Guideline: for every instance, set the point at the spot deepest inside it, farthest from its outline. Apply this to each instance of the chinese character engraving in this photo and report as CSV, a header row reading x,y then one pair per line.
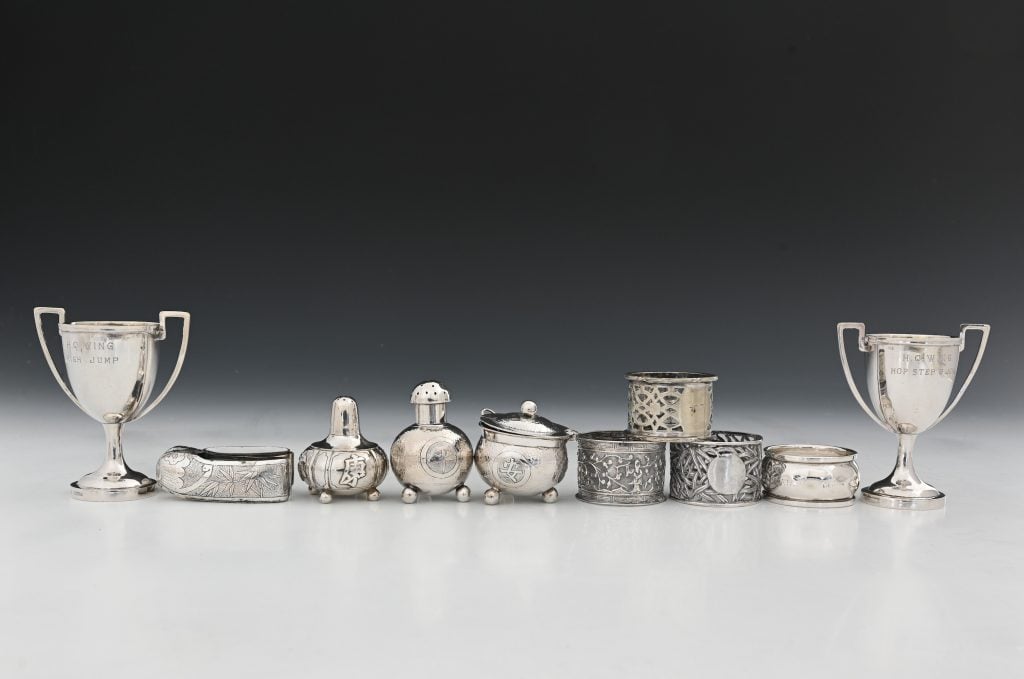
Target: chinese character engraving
x,y
511,470
353,469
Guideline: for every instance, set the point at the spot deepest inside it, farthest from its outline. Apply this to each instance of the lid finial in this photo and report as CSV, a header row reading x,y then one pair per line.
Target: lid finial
x,y
345,424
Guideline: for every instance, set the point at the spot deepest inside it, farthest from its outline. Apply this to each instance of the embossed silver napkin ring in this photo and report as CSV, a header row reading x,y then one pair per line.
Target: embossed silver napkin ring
x,y
670,406
227,473
722,471
810,475
617,468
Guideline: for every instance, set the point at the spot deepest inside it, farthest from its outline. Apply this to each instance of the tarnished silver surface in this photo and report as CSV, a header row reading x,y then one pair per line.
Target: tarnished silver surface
x,y
344,463
521,453
227,473
431,456
909,381
722,470
111,367
617,468
670,406
810,475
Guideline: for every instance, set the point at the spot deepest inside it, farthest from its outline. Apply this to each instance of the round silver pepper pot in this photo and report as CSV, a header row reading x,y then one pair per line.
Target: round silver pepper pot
x,y
431,456
344,463
521,453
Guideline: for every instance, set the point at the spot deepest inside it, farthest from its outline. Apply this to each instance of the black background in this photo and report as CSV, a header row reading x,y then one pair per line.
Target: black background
x,y
514,196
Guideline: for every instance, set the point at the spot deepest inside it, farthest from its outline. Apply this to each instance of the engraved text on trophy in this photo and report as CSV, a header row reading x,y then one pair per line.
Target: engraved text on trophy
x,y
89,352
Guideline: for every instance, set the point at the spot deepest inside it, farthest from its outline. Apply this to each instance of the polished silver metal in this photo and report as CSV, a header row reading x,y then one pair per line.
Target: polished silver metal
x,y
521,453
344,463
723,470
227,473
617,468
431,457
810,475
670,406
111,368
909,380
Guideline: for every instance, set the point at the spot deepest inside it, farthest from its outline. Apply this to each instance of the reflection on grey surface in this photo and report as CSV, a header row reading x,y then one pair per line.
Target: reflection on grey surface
x,y
564,576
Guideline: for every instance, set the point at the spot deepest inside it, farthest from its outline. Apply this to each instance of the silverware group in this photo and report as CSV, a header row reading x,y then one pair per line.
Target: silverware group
x,y
111,368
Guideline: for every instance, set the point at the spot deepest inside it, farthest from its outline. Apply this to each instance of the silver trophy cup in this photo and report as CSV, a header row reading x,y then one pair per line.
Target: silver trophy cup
x,y
910,379
111,367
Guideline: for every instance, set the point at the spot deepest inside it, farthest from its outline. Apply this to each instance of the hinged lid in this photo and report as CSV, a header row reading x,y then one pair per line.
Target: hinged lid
x,y
524,423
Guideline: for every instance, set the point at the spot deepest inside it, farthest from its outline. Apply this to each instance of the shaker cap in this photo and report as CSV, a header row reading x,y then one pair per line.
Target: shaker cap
x,y
524,423
345,435
429,393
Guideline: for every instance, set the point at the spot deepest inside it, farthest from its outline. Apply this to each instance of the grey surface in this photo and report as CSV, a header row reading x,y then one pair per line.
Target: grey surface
x,y
228,589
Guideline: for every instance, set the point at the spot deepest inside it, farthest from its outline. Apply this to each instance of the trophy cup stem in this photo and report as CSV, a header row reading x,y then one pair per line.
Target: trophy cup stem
x,y
904,469
903,488
115,480
115,454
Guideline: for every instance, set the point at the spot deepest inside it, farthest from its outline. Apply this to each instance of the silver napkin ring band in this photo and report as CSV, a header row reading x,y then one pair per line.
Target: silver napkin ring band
x,y
227,474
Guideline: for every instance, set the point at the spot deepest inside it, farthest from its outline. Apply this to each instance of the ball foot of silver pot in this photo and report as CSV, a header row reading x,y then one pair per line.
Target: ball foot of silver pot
x,y
410,495
462,493
492,496
373,495
550,495
326,498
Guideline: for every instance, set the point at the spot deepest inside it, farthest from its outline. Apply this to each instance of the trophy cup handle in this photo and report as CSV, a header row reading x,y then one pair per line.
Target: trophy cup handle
x,y
983,328
185,321
38,312
841,329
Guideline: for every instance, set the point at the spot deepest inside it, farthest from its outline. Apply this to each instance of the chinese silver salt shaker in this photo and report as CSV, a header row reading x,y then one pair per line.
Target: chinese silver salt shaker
x,y
617,468
431,456
521,453
723,470
344,463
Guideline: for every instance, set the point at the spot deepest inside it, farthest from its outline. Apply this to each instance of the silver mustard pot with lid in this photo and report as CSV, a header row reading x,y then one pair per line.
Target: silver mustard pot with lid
x,y
344,463
431,456
521,453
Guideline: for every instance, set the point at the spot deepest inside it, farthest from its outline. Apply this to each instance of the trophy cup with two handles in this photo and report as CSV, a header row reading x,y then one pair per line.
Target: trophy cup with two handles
x,y
909,381
112,368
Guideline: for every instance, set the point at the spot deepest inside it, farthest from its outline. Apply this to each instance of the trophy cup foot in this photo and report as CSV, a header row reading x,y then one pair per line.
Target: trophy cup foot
x,y
888,495
106,487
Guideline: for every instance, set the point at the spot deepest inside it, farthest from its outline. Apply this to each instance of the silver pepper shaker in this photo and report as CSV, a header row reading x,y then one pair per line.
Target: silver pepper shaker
x,y
344,463
431,456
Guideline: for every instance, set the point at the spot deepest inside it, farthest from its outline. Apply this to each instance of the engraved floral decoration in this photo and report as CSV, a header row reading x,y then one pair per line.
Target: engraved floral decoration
x,y
772,472
241,481
620,474
183,472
